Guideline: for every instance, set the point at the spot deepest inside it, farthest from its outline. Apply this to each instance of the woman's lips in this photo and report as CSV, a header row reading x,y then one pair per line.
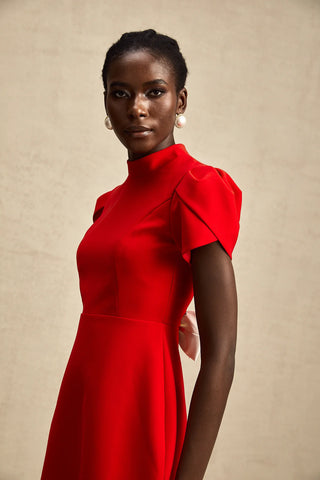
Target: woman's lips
x,y
138,131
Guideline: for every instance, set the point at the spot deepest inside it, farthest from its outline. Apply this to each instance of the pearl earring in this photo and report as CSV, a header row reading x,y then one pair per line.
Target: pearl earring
x,y
108,123
180,120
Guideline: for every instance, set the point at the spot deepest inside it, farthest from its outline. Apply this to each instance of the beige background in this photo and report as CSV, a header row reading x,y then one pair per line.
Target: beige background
x,y
254,110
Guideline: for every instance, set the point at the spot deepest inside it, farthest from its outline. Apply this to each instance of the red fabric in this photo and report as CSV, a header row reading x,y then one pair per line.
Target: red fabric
x,y
121,411
206,207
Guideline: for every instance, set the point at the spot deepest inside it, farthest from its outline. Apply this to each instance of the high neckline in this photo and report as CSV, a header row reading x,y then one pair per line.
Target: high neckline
x,y
152,162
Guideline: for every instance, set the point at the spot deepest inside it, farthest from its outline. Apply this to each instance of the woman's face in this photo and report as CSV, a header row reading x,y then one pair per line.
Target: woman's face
x,y
142,102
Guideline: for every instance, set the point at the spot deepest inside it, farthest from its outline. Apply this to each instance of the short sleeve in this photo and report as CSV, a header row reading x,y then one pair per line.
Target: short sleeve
x,y
103,202
205,207
100,204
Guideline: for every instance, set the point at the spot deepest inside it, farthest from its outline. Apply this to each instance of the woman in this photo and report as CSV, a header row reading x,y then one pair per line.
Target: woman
x,y
163,235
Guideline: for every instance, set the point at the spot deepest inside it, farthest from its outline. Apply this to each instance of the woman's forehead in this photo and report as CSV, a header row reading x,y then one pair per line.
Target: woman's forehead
x,y
140,65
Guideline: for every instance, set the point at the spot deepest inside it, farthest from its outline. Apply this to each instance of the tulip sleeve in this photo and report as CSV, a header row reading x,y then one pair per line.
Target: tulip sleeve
x,y
205,207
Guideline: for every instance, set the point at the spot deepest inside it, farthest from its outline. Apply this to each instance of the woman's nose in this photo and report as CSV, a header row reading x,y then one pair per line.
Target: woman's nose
x,y
138,107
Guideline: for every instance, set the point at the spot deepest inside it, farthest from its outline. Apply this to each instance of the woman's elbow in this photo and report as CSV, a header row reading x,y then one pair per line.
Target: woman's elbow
x,y
219,365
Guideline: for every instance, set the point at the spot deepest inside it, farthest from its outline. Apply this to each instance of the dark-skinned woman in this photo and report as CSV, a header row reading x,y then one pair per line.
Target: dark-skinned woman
x,y
164,235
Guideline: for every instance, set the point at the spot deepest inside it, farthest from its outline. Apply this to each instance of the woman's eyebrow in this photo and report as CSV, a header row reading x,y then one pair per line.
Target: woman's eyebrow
x,y
157,81
119,84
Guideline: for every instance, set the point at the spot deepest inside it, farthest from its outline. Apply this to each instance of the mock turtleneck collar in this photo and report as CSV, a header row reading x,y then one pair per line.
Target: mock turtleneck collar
x,y
154,161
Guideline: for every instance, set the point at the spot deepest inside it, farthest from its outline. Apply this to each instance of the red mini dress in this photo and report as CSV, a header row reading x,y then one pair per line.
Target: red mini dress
x,y
121,411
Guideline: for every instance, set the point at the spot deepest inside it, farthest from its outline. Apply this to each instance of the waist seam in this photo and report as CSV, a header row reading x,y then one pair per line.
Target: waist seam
x,y
102,316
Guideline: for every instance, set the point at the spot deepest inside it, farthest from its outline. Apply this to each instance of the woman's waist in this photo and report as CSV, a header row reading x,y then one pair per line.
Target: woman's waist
x,y
110,334
110,318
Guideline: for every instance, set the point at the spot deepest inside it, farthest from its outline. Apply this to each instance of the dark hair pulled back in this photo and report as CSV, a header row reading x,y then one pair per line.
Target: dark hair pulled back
x,y
159,45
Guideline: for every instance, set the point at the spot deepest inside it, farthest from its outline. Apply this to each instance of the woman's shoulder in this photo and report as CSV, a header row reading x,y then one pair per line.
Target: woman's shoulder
x,y
196,174
104,196
102,200
206,205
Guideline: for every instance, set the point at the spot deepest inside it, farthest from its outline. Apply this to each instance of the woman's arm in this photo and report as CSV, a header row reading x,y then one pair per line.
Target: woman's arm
x,y
216,309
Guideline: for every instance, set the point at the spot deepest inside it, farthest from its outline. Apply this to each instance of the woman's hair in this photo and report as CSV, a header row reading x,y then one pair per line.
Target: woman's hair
x,y
159,45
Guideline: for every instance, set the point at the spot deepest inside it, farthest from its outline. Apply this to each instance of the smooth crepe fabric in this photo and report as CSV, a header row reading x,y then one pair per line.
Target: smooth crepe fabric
x,y
121,411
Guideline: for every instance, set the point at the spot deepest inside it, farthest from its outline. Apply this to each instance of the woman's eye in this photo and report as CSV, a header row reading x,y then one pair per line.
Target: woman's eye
x,y
119,93
156,92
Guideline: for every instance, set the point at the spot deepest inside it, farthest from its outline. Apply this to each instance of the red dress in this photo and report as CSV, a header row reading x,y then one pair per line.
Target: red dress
x,y
121,412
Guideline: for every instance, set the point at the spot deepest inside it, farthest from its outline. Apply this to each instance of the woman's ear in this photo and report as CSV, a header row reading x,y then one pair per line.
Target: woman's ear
x,y
182,100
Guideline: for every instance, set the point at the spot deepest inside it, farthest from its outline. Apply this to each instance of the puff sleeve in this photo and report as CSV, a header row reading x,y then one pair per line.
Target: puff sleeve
x,y
205,207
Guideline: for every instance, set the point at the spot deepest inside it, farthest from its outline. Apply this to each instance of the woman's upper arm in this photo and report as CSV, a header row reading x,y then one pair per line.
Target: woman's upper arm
x,y
215,299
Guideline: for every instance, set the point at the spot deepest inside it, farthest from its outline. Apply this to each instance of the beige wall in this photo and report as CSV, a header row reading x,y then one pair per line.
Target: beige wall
x,y
254,110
